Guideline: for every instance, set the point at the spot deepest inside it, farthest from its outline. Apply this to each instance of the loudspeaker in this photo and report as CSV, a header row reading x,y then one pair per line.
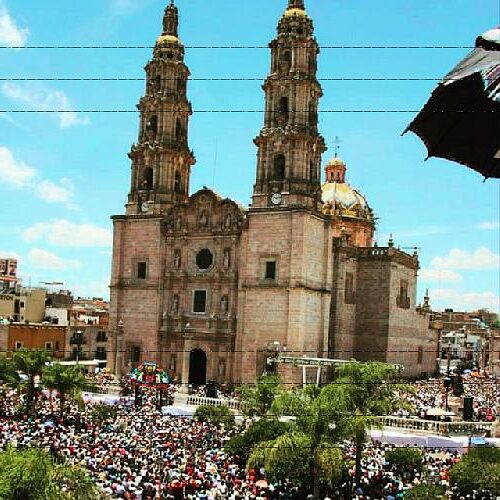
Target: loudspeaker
x,y
468,408
211,390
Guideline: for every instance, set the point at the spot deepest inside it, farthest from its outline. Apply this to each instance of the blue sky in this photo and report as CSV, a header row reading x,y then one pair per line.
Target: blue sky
x,y
63,176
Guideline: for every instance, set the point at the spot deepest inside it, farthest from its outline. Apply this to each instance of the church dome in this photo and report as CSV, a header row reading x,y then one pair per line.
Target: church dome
x,y
339,197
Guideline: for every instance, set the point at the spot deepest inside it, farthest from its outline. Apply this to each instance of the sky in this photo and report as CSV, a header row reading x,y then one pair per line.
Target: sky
x,y
62,176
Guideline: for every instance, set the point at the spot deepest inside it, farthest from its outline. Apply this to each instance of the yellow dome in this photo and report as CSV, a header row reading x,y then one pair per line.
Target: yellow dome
x,y
335,162
341,199
295,12
167,39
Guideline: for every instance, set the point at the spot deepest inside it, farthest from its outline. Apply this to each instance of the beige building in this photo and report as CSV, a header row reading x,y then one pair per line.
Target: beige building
x,y
27,305
204,286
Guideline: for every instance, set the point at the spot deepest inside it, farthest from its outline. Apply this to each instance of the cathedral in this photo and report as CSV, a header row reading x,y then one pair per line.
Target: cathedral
x,y
207,288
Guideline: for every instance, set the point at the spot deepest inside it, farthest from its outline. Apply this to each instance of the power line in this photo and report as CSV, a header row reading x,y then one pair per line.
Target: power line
x,y
235,47
217,79
222,111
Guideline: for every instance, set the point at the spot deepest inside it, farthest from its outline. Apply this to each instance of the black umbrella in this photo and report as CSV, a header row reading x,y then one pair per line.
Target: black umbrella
x,y
461,120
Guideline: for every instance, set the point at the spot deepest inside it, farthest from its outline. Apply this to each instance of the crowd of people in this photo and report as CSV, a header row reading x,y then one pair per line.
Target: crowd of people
x,y
138,453
431,395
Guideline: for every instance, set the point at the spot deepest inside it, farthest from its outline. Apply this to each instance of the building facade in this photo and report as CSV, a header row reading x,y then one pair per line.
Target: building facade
x,y
204,286
50,338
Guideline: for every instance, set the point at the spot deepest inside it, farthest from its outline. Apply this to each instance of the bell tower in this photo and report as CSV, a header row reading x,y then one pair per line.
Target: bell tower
x,y
161,158
289,145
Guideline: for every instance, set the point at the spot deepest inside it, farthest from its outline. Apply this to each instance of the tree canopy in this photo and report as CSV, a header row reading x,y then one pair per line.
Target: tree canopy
x,y
32,475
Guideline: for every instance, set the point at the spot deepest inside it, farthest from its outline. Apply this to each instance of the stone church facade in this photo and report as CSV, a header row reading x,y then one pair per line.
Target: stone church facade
x,y
205,287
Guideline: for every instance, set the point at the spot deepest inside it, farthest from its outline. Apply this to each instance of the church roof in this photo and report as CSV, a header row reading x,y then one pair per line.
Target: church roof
x,y
340,198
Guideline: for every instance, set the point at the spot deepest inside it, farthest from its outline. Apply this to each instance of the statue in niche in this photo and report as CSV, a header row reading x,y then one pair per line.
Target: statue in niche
x,y
227,258
227,221
221,369
177,259
224,303
203,219
175,305
178,222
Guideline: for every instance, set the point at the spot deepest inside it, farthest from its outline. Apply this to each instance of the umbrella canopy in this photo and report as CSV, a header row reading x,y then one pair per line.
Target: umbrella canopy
x,y
461,120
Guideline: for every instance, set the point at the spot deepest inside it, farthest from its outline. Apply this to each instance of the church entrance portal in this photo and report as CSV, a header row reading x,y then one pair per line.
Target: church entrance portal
x,y
197,367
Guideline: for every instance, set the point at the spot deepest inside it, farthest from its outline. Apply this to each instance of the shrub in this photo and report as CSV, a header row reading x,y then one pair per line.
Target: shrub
x,y
216,415
423,492
405,459
263,430
478,470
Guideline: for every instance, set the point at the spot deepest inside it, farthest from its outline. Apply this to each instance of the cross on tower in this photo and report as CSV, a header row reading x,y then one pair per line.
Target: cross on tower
x,y
337,143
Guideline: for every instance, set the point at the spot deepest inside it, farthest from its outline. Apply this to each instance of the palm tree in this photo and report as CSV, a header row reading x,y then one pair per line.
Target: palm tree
x,y
311,444
345,408
31,363
369,391
8,374
66,380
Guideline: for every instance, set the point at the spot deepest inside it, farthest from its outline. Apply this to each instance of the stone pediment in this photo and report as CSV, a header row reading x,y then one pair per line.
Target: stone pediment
x,y
205,212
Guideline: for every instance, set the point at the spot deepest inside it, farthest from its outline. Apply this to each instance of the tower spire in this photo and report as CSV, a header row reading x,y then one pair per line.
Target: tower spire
x,y
171,20
161,158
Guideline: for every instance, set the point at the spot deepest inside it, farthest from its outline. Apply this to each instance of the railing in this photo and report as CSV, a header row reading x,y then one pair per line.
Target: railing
x,y
444,428
233,404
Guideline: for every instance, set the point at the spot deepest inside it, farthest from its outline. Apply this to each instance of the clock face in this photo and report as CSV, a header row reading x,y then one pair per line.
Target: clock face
x,y
276,198
145,207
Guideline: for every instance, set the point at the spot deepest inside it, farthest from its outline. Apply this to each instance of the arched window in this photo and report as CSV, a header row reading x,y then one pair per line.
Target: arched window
x,y
312,171
147,178
286,59
157,83
283,107
178,182
313,115
178,129
279,168
152,125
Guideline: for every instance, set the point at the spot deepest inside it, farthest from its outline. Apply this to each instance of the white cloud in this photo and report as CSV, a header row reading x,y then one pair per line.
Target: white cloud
x,y
14,172
488,225
43,99
460,301
10,34
54,193
439,275
41,259
480,259
8,255
91,289
414,233
60,232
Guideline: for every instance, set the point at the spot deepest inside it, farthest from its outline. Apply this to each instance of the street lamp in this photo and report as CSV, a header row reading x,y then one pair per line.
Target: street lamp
x,y
447,385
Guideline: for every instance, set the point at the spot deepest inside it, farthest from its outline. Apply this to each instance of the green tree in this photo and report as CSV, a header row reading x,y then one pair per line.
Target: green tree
x,y
256,400
369,391
405,460
310,444
32,475
425,492
31,363
8,374
66,380
477,470
265,429
216,415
